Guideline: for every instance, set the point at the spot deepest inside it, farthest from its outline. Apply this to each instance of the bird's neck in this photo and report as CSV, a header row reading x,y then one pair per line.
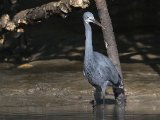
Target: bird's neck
x,y
88,42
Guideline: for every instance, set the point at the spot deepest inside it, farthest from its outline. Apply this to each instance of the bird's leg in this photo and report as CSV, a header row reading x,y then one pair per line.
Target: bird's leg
x,y
104,87
103,95
119,95
97,95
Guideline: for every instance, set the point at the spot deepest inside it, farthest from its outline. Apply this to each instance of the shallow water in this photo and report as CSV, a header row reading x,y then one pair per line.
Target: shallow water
x,y
57,90
97,114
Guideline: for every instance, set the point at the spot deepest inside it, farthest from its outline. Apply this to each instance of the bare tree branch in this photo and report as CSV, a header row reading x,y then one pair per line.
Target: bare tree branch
x,y
39,13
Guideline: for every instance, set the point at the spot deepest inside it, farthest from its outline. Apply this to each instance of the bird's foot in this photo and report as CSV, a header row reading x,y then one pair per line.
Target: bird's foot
x,y
121,99
119,95
98,102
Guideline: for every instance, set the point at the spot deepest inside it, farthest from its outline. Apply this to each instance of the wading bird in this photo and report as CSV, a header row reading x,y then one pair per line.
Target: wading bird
x,y
99,69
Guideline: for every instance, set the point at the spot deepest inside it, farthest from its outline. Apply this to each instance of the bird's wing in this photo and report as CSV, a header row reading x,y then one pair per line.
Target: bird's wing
x,y
106,68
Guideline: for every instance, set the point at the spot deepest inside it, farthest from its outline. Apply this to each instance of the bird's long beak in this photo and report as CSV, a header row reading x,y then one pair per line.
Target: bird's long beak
x,y
97,23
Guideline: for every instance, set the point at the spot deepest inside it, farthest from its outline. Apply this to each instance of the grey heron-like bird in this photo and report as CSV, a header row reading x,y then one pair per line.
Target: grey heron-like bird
x,y
99,69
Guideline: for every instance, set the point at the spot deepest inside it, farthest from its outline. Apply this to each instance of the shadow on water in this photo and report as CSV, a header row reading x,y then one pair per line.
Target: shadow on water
x,y
142,50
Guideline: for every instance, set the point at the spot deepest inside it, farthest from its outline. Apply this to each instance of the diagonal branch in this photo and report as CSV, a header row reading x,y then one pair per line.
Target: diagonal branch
x,y
39,13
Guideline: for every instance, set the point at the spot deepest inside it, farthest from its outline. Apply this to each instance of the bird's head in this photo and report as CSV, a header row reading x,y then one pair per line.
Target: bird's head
x,y
88,18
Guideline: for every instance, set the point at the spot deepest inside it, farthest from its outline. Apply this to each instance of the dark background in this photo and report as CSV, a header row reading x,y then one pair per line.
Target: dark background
x,y
136,26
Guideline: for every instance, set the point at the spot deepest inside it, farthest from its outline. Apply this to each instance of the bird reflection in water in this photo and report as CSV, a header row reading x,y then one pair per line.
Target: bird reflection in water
x,y
101,112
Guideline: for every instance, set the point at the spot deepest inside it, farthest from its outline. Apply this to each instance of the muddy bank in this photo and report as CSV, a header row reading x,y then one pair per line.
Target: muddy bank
x,y
58,85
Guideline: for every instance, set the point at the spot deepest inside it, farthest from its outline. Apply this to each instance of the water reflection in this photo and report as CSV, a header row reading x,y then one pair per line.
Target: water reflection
x,y
119,111
100,112
54,93
103,112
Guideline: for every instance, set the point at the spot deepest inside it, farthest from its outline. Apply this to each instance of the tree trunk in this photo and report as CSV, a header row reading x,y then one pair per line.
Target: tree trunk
x,y
109,37
108,34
